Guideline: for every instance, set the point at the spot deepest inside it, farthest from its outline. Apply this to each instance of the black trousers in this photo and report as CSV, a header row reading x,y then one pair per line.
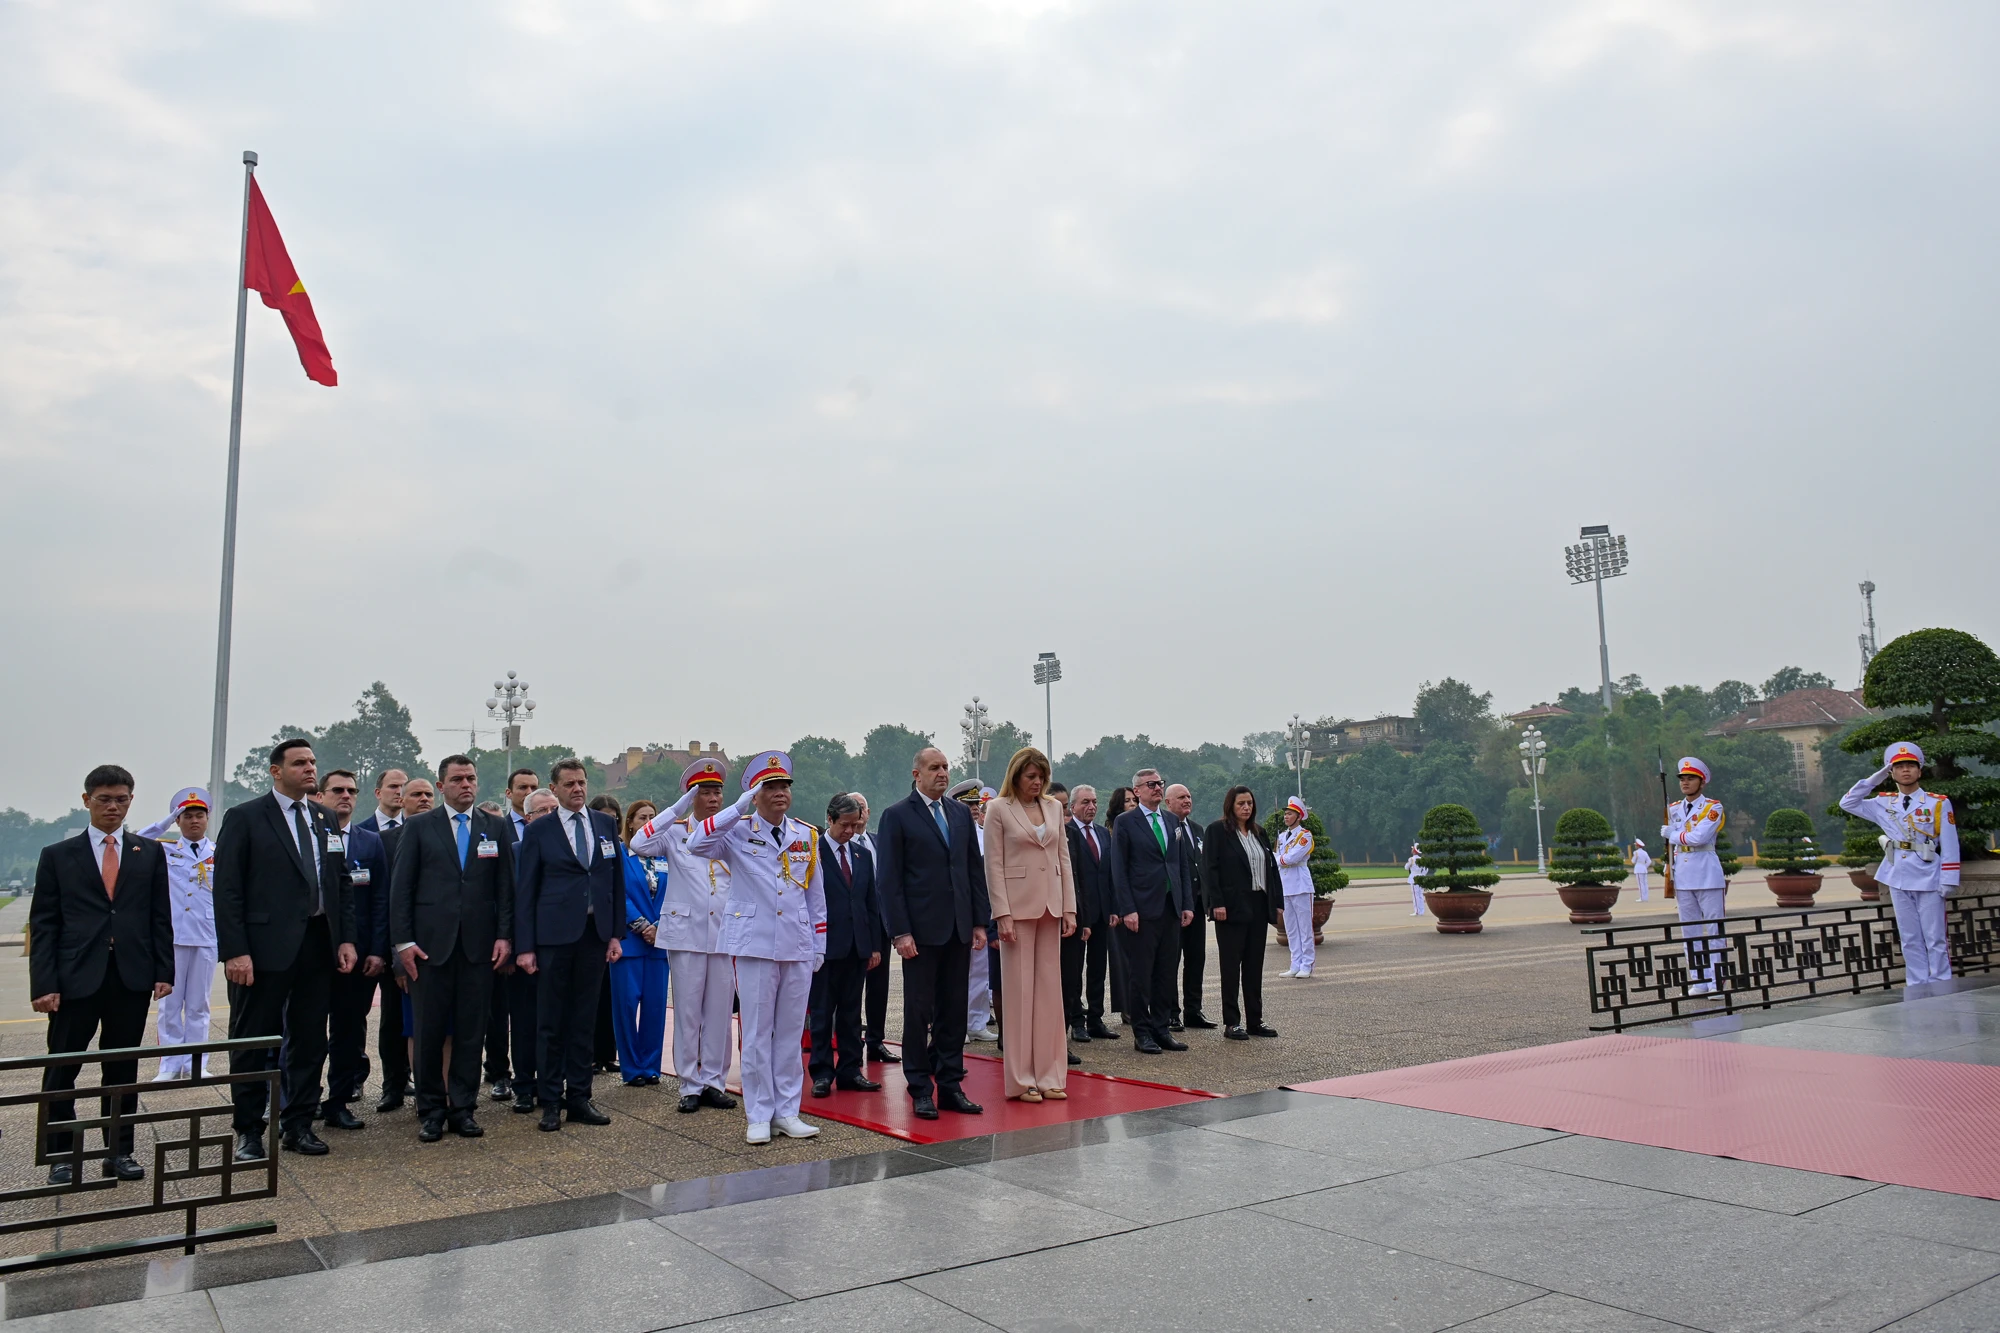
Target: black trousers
x,y
121,1013
1239,949
935,985
524,1031
1149,973
833,1011
875,1002
290,1002
498,1010
390,1038
348,999
570,976
1074,948
1103,957
449,999
604,1037
1194,962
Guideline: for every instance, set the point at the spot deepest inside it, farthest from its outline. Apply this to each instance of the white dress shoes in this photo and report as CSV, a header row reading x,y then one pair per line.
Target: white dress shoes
x,y
794,1128
759,1132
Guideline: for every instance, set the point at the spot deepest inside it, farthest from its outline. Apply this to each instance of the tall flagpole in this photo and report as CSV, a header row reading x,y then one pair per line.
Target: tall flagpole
x,y
219,738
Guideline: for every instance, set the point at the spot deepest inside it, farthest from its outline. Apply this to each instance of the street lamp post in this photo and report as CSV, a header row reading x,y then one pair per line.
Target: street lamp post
x,y
1298,733
1534,763
1596,557
512,706
973,726
1047,672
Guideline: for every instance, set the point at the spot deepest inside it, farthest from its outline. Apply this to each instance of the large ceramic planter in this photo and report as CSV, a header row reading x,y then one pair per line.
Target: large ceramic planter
x,y
1458,910
1864,880
1322,909
1793,890
1588,904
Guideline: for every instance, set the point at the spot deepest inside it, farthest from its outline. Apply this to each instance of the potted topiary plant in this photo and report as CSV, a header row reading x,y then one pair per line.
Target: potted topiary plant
x,y
1725,851
1787,850
1861,853
1586,866
1451,848
1324,863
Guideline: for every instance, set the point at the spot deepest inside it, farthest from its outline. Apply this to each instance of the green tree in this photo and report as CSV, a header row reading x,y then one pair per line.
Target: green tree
x,y
1450,711
1861,845
378,737
1452,850
1582,852
1952,682
1786,679
1787,846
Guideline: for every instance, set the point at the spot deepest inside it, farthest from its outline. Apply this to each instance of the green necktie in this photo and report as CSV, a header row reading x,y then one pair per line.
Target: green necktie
x,y
1154,817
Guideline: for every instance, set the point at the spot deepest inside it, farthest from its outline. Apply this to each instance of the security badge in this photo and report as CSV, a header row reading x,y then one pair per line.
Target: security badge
x,y
360,875
488,849
335,844
605,849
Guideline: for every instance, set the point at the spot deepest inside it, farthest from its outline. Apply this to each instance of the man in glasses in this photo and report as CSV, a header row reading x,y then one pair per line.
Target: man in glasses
x,y
354,992
1152,896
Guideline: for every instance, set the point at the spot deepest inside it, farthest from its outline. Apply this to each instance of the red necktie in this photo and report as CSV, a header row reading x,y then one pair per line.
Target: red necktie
x,y
108,867
1090,836
846,870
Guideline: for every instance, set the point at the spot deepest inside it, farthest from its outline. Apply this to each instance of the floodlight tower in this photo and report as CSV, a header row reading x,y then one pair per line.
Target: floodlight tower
x,y
1597,557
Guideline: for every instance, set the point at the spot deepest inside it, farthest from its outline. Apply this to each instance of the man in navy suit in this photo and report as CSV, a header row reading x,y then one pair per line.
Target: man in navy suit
x,y
353,992
1152,897
389,784
568,915
932,882
853,949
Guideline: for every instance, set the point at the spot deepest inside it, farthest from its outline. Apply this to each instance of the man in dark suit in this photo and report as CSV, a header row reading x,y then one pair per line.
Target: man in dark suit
x,y
388,814
1150,895
854,947
521,784
932,883
353,992
101,950
284,927
875,986
1193,944
451,917
414,796
569,911
1086,953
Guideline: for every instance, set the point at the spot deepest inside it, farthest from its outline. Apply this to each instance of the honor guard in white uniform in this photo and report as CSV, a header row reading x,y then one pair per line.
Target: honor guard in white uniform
x,y
1693,823
1919,860
1642,862
774,926
1295,848
979,1000
700,971
1411,869
191,888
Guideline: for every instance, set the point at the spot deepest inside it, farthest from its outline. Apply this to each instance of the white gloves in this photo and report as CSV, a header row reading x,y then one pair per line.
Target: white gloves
x,y
819,961
748,799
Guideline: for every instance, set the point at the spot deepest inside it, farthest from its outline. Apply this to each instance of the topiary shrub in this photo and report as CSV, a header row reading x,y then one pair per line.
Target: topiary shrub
x,y
1725,851
1451,848
1952,680
1787,847
1582,852
1324,861
1863,847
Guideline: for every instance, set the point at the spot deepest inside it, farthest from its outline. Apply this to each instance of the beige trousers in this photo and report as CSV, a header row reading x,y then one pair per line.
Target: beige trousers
x,y
1031,1007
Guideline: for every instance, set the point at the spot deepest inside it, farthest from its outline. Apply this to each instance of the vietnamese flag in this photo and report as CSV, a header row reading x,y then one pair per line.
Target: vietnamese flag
x,y
268,271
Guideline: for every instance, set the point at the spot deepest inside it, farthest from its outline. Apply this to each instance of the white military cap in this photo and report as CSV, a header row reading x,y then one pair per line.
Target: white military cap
x,y
1693,765
1903,752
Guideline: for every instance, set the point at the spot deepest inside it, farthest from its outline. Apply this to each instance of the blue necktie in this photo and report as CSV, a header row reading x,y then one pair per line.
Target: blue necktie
x,y
937,813
582,848
464,839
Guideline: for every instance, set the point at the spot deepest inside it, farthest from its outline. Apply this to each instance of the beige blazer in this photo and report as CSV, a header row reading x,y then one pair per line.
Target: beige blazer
x,y
1027,878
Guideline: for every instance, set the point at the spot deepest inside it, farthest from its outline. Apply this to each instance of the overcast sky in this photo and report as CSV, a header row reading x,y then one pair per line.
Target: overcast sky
x,y
1271,351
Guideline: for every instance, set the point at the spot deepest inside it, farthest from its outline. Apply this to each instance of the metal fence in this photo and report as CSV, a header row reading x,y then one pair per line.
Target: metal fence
x,y
1646,974
196,1155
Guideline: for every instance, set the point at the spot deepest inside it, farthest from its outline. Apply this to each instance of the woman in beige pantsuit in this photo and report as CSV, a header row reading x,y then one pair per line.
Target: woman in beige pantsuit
x,y
1033,895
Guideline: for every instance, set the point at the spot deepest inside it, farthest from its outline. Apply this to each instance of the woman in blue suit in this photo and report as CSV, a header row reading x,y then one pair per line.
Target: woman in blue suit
x,y
639,977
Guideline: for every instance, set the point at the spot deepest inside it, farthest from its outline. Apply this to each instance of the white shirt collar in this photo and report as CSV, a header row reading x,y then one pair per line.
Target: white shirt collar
x,y
383,819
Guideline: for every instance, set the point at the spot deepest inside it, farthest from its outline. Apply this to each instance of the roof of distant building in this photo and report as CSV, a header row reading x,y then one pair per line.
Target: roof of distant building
x,y
1796,708
1538,713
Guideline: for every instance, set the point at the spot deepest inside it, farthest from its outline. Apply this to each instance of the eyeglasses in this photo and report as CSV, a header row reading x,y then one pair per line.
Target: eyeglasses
x,y
1153,783
342,791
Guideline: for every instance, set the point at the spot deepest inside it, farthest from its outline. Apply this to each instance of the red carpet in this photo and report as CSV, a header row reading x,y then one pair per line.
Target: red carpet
x,y
1931,1124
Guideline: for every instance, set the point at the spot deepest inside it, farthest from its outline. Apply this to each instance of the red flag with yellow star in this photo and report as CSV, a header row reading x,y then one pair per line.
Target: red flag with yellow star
x,y
268,271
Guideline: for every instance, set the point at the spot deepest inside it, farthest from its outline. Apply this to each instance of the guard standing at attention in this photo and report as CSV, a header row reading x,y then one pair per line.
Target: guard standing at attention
x,y
700,971
190,880
1642,864
1920,861
1693,824
775,928
1295,848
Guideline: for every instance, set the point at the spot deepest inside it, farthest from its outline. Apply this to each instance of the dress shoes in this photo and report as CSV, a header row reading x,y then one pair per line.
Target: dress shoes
x,y
1235,1032
466,1127
339,1117
794,1128
551,1120
1195,1018
1175,1025
1074,1058
880,1054
759,1131
1145,1046
586,1112
524,1101
923,1108
861,1083
689,1103
982,1034
822,1087
303,1141
431,1130
60,1174
390,1101
503,1090
1096,1030
249,1145
717,1098
1078,1032
1169,1044
121,1166
954,1099
1263,1030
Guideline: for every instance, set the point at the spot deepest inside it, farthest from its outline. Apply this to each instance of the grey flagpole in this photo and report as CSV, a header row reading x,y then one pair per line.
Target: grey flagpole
x,y
219,737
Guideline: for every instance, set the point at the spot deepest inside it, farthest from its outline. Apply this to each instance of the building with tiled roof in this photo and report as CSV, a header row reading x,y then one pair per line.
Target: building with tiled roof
x,y
1802,718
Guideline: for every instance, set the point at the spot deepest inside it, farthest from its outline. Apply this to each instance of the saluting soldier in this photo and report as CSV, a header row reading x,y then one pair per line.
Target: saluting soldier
x,y
1693,824
1920,859
700,971
190,872
774,926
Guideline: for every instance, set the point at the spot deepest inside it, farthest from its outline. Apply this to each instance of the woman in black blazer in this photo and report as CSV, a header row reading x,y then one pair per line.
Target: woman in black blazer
x,y
1240,873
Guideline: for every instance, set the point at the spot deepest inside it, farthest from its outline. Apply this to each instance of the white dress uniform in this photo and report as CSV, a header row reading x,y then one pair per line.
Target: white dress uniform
x,y
1701,890
191,889
774,926
1919,862
979,974
1412,869
700,971
1642,862
1295,847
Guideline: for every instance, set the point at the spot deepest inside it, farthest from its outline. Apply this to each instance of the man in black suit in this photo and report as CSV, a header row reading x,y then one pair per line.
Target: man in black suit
x,y
388,814
932,882
569,911
1193,945
101,950
353,992
1151,897
1086,953
875,986
414,796
451,920
853,949
500,1012
284,926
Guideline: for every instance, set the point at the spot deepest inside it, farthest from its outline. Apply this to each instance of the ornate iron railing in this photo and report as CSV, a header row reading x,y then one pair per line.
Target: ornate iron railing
x,y
1647,974
192,1152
